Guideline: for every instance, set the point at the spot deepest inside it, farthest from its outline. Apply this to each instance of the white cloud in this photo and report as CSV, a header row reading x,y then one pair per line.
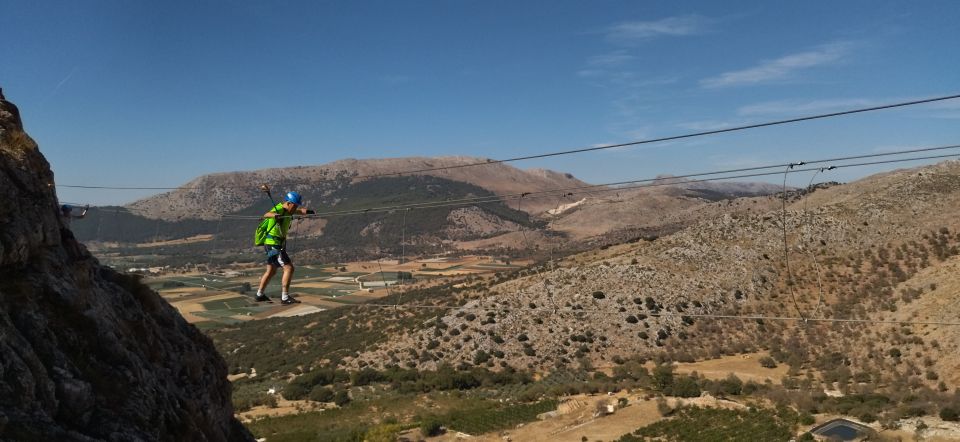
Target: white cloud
x,y
780,68
682,25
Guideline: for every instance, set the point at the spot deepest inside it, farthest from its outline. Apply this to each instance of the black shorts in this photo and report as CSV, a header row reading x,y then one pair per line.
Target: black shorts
x,y
277,256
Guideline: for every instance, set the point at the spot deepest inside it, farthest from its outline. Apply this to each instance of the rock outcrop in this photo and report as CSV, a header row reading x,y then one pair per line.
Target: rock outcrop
x,y
87,353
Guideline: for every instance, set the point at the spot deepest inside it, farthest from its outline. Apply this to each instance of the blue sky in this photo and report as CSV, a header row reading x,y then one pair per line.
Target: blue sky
x,y
137,93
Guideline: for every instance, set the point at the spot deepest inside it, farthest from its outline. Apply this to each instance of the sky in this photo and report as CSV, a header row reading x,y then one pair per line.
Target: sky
x,y
154,94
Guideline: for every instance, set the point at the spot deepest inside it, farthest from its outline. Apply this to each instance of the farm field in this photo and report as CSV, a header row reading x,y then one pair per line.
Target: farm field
x,y
226,297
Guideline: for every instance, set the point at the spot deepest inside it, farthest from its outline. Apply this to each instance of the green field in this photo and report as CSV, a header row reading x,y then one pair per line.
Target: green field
x,y
237,302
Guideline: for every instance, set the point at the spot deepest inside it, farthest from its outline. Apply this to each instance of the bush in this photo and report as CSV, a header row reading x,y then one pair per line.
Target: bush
x,y
949,414
598,295
431,426
321,394
295,390
480,357
768,362
341,398
366,376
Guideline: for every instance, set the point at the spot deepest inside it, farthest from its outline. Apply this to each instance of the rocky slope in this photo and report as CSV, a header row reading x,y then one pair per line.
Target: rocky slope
x,y
85,353
868,244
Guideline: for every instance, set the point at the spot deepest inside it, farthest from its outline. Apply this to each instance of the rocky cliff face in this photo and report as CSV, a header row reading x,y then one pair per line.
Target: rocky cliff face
x,y
87,353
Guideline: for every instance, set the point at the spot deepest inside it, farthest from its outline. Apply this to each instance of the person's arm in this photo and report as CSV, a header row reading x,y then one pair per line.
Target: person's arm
x,y
305,211
84,213
271,214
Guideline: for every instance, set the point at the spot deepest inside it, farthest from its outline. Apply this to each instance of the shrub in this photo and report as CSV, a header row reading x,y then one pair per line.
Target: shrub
x,y
321,394
365,376
295,390
431,426
685,386
598,295
949,414
341,398
768,362
480,357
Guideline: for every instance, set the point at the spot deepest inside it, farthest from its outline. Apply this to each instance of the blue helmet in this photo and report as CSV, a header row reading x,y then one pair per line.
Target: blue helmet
x,y
66,208
294,197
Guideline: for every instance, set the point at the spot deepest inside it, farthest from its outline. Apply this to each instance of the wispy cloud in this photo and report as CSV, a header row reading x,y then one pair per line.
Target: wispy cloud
x,y
705,125
941,110
636,31
947,110
781,68
797,106
613,59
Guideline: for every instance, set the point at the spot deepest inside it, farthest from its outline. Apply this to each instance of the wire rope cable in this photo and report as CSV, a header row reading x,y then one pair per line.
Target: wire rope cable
x,y
594,148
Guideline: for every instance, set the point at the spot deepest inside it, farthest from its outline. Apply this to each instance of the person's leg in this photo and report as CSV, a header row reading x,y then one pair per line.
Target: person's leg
x,y
267,276
287,264
287,277
264,280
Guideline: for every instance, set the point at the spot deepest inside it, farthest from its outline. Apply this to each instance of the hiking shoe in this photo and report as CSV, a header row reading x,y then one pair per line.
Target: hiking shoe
x,y
290,300
262,298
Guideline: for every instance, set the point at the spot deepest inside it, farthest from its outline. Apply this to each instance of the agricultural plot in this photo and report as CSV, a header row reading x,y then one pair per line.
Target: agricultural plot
x,y
331,292
215,300
237,302
310,272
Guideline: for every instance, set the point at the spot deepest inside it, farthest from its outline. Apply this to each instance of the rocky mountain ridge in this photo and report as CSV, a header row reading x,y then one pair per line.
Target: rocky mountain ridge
x,y
87,354
231,191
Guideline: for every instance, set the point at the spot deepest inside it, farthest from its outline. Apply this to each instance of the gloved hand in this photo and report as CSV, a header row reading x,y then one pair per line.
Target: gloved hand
x,y
311,212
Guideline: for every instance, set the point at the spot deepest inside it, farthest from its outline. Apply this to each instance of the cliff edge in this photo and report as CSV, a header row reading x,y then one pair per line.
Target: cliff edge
x,y
87,353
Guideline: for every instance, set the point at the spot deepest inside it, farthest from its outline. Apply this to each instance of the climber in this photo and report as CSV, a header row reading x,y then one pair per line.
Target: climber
x,y
277,223
66,213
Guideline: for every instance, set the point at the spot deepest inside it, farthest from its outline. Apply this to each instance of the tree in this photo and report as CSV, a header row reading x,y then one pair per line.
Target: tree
x,y
663,376
685,386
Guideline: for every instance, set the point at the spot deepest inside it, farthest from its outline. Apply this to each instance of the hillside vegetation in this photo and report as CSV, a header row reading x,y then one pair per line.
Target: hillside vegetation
x,y
880,249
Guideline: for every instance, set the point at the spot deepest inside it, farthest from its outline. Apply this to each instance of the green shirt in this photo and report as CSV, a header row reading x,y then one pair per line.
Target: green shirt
x,y
277,231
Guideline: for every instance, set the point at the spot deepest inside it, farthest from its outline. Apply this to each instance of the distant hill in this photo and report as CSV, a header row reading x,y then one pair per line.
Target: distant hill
x,y
205,219
235,191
